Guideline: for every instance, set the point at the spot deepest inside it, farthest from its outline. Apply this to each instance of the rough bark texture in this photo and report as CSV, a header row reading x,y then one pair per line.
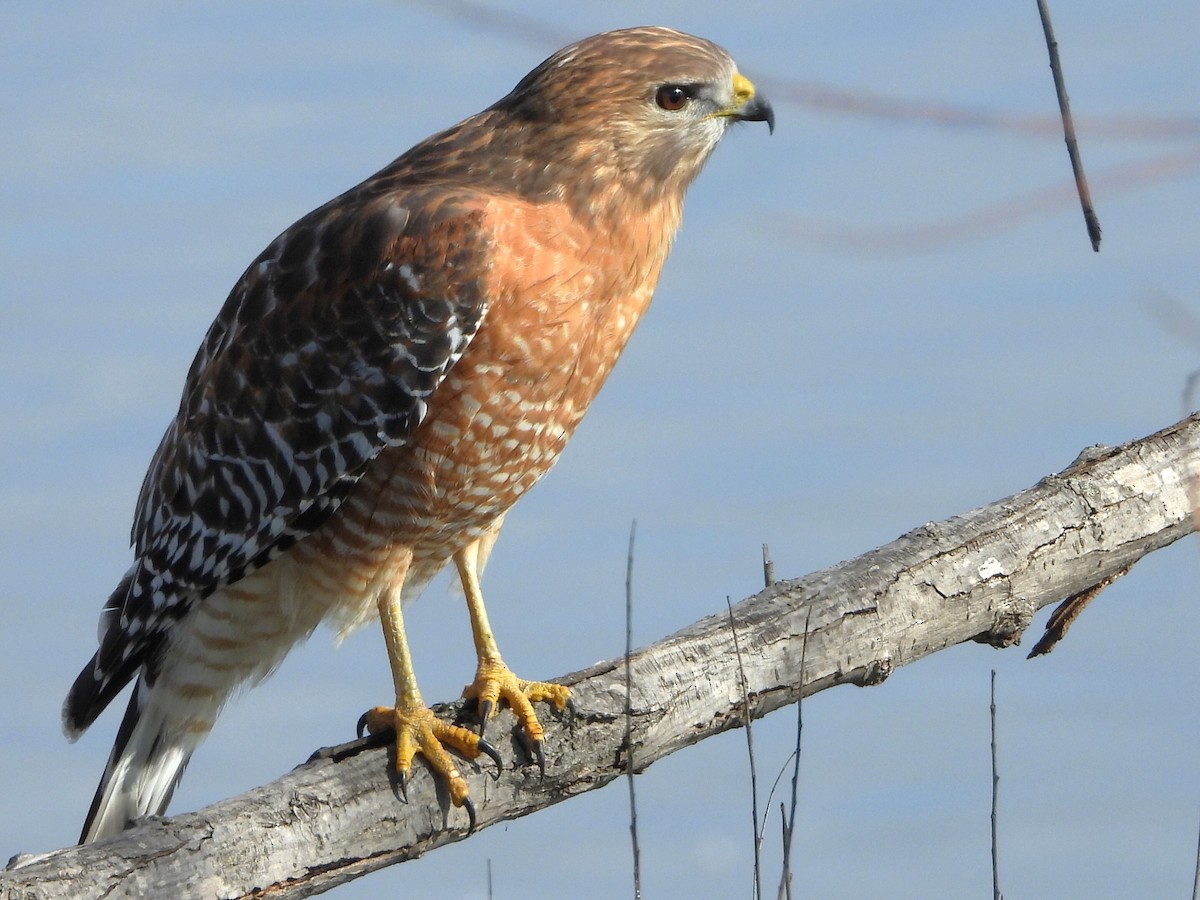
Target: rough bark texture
x,y
980,576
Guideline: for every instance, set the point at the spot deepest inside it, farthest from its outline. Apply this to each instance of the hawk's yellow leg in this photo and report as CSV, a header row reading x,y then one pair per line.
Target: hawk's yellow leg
x,y
416,728
495,681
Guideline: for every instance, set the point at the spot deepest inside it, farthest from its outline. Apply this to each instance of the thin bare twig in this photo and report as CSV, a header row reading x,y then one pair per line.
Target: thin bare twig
x,y
633,832
1064,106
785,882
758,833
1196,880
996,895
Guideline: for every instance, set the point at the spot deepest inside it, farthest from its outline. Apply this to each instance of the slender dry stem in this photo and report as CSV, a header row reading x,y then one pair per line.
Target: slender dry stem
x,y
1064,107
785,881
1196,878
758,833
996,895
633,832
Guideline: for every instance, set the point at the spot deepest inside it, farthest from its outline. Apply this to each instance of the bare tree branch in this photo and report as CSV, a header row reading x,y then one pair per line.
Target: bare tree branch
x,y
980,576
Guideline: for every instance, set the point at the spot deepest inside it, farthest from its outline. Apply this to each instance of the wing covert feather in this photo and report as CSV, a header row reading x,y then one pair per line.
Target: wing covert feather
x,y
327,351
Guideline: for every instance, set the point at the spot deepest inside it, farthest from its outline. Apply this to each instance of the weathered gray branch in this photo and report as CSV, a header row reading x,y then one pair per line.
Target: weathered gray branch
x,y
979,576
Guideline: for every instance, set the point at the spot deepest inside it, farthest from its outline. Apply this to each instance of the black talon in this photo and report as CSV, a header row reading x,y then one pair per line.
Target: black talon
x,y
491,753
540,756
470,808
402,782
485,713
362,725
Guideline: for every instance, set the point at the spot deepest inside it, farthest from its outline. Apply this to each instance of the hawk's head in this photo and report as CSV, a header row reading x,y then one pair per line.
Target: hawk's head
x,y
649,102
614,125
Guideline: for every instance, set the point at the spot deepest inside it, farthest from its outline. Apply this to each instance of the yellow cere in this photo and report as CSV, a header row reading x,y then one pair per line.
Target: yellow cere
x,y
743,88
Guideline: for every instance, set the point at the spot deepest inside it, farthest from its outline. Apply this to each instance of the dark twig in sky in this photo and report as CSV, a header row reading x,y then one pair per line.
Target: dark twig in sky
x,y
1064,106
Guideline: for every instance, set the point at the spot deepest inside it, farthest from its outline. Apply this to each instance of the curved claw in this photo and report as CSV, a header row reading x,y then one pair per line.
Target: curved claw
x,y
485,713
470,808
540,756
491,753
402,783
362,725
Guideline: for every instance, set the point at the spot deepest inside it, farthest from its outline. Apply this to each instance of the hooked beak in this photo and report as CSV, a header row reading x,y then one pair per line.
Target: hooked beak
x,y
750,106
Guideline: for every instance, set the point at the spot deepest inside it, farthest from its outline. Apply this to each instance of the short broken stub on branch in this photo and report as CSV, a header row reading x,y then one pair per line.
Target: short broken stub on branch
x,y
978,576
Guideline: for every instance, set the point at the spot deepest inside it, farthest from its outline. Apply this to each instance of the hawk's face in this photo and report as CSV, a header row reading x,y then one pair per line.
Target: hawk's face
x,y
688,118
648,103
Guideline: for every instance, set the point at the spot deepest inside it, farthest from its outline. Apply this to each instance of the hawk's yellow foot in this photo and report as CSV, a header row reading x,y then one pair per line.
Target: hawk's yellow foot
x,y
494,681
418,730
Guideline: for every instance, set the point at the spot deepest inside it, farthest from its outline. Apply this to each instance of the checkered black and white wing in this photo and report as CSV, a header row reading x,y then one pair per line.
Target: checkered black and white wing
x,y
326,352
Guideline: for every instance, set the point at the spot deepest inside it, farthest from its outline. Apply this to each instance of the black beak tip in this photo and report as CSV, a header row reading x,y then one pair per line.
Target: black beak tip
x,y
757,109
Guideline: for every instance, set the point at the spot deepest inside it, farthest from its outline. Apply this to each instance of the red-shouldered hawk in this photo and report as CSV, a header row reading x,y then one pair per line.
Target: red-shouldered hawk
x,y
385,380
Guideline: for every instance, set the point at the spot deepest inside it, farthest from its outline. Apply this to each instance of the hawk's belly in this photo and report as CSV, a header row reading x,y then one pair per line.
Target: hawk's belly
x,y
494,427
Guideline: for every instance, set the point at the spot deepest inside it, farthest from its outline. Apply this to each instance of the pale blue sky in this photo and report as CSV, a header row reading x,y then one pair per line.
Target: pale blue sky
x,y
803,379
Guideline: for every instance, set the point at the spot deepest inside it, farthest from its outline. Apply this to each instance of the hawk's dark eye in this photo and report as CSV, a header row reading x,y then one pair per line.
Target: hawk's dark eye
x,y
672,97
